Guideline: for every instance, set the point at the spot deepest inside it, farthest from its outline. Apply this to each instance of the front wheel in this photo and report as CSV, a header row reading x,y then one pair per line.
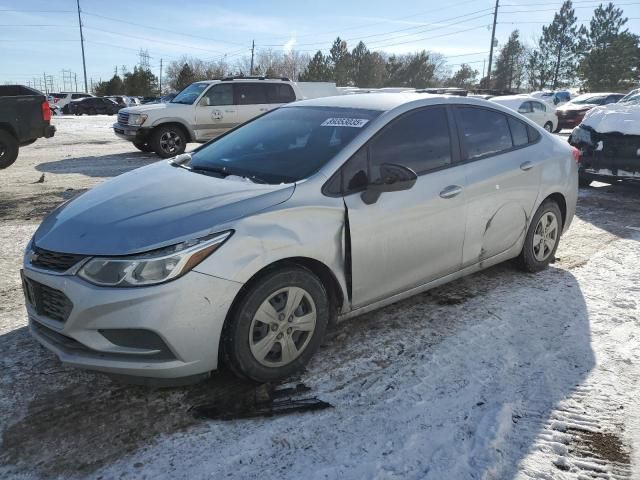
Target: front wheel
x,y
168,141
278,325
542,238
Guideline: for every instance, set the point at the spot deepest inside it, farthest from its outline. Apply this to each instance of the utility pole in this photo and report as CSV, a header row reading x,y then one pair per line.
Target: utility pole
x,y
493,38
84,64
253,46
44,75
160,78
75,78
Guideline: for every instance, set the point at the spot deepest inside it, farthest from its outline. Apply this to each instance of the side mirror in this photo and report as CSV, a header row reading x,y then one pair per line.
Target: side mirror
x,y
392,178
204,102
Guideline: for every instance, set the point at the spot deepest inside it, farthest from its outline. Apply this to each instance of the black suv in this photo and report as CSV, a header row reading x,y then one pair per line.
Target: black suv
x,y
94,106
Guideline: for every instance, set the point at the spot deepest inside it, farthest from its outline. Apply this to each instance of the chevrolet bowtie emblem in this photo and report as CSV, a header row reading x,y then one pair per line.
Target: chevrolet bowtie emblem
x,y
33,256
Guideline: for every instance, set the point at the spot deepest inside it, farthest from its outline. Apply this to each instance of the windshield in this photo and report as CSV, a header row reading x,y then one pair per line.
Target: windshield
x,y
284,146
588,98
190,94
632,97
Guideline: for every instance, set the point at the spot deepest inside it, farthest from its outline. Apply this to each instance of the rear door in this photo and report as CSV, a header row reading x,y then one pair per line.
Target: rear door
x,y
406,238
502,180
215,112
251,100
539,113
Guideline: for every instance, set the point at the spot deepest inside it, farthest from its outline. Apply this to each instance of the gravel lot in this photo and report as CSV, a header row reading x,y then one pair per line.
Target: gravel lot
x,y
499,375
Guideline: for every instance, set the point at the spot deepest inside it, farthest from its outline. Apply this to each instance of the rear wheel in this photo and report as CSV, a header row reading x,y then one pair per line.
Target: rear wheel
x,y
278,325
548,127
168,141
8,149
542,238
142,146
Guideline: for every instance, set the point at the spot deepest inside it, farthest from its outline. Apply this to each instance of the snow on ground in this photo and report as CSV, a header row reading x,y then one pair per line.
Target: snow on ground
x,y
498,375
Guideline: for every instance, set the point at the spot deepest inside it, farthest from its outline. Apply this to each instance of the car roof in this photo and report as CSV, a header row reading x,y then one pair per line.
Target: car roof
x,y
515,99
386,101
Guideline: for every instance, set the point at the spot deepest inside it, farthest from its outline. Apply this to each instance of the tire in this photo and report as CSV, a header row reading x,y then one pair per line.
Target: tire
x,y
168,141
8,149
583,181
548,127
244,331
531,258
143,147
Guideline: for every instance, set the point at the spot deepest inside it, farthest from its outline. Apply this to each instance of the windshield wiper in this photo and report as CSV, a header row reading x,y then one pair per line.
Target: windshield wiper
x,y
226,172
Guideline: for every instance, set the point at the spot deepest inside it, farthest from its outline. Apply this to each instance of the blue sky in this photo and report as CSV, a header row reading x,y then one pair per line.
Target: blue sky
x,y
38,36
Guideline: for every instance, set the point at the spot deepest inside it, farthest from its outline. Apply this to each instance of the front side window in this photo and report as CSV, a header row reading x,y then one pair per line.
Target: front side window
x,y
250,93
189,94
283,146
485,132
218,95
418,140
280,93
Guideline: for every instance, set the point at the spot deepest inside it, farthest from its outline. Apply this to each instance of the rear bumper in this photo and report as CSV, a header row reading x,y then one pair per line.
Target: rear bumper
x,y
49,131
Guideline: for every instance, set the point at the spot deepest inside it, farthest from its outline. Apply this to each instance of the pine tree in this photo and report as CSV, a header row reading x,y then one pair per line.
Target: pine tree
x,y
341,62
559,46
465,77
318,69
611,56
185,78
510,66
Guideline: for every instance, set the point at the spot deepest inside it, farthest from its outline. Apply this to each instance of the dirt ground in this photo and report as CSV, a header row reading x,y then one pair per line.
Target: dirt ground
x,y
570,369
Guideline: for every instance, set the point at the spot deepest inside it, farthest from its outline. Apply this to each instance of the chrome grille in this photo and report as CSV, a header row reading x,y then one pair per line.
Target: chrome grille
x,y
123,118
58,262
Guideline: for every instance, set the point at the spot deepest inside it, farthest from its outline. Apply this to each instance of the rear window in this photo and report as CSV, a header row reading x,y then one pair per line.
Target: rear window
x,y
280,93
59,95
250,93
485,132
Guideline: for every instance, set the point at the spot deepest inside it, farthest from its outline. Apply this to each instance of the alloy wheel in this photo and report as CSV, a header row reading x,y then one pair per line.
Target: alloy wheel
x,y
170,142
282,327
545,236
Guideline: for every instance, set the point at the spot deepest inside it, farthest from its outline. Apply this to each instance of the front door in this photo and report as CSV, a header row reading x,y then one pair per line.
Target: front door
x,y
215,112
406,238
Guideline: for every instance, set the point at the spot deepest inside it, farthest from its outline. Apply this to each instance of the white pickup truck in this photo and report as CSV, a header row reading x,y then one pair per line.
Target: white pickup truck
x,y
207,109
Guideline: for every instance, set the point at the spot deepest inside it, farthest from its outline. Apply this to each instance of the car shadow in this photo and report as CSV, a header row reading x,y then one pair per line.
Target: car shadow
x,y
614,208
469,372
103,166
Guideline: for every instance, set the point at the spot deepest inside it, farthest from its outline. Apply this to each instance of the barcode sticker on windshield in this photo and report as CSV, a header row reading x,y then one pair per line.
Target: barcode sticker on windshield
x,y
344,122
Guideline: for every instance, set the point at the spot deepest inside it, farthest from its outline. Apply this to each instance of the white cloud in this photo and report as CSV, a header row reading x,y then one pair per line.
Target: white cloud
x,y
287,47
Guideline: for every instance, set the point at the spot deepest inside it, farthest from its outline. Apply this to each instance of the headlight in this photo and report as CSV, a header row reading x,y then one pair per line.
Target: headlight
x,y
137,118
154,267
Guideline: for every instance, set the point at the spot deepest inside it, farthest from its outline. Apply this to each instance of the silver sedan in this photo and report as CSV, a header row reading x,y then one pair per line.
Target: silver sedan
x,y
245,250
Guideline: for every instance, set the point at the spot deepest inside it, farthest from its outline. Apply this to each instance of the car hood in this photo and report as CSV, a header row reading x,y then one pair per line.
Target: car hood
x,y
148,107
152,207
582,106
615,117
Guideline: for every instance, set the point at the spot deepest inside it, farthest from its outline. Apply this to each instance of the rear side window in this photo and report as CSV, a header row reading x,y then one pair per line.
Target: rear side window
x,y
485,131
525,108
250,93
518,132
280,93
418,140
538,107
79,95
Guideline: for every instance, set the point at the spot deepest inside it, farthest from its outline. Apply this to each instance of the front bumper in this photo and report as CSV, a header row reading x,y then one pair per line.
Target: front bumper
x,y
187,316
131,133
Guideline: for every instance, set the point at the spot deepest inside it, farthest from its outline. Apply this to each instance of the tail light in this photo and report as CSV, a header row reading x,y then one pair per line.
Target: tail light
x,y
46,111
576,154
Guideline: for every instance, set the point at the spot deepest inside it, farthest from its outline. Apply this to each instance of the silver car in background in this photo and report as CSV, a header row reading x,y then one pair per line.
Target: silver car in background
x,y
244,251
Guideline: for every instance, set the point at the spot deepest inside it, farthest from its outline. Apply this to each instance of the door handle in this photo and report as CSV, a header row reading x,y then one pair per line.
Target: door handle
x,y
230,111
451,191
526,166
264,109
